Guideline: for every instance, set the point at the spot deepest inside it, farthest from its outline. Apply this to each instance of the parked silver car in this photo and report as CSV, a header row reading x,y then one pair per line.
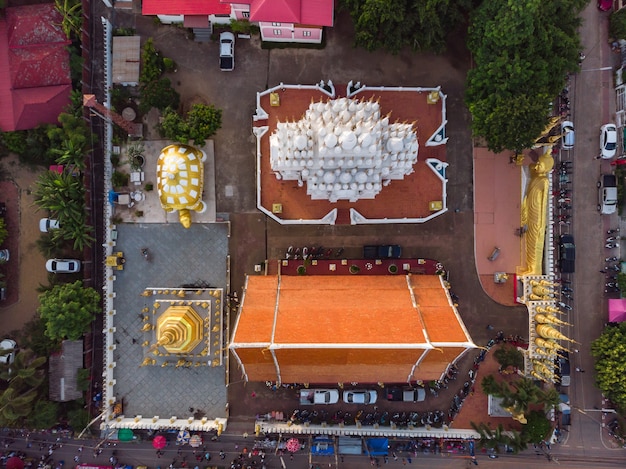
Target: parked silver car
x,y
360,397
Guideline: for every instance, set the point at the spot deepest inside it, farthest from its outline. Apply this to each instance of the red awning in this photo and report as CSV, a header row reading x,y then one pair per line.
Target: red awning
x,y
196,21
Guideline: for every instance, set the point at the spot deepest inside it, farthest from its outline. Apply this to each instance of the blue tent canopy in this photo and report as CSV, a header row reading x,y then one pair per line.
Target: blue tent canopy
x,y
322,446
378,446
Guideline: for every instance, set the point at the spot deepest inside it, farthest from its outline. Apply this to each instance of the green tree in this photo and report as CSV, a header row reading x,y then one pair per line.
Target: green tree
x,y
507,356
37,147
522,50
15,142
395,24
609,350
152,66
33,336
78,418
537,427
68,310
44,415
3,231
617,24
159,94
201,122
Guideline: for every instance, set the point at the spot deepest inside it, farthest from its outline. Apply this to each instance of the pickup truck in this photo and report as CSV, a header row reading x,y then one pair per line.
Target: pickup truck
x,y
318,396
406,394
227,51
607,194
383,251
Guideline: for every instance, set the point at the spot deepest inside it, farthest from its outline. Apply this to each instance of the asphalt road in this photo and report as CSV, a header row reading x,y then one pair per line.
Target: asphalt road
x,y
142,454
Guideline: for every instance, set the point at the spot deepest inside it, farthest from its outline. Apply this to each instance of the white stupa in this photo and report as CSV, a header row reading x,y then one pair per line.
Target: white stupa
x,y
343,150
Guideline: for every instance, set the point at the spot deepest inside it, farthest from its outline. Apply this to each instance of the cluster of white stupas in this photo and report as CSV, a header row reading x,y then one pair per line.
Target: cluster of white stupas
x,y
343,149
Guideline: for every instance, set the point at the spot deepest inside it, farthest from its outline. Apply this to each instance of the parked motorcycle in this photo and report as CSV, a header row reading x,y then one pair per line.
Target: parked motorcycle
x,y
611,245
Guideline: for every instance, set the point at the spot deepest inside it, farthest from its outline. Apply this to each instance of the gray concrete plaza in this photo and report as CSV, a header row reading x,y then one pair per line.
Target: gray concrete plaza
x,y
178,256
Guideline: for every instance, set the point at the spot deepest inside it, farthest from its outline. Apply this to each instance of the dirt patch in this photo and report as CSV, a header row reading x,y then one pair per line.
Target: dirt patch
x,y
10,197
26,265
189,103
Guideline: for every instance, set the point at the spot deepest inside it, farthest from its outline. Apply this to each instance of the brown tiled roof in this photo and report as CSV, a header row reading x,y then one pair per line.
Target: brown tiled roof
x,y
325,329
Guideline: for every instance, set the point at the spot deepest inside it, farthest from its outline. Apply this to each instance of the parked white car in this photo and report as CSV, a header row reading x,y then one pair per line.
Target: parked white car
x,y
7,351
63,266
47,224
227,51
608,141
567,135
360,397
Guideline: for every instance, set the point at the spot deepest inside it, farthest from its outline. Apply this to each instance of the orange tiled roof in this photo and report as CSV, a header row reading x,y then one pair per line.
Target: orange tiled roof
x,y
347,328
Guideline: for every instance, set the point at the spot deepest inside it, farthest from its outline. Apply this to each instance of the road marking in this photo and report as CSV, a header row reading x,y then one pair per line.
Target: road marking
x,y
596,69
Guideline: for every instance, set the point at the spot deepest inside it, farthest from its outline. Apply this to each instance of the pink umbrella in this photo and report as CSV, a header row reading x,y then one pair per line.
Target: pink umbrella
x,y
159,442
14,463
293,445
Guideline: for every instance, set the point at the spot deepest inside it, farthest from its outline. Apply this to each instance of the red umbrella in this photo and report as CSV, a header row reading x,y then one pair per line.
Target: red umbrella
x,y
15,463
159,442
293,445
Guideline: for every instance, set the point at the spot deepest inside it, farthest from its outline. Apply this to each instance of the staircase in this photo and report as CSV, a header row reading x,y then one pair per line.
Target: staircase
x,y
202,34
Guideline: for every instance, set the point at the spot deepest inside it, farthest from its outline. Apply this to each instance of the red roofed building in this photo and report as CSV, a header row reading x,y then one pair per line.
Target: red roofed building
x,y
35,81
278,20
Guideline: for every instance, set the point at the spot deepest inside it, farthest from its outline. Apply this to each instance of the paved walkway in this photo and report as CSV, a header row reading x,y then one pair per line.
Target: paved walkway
x,y
498,192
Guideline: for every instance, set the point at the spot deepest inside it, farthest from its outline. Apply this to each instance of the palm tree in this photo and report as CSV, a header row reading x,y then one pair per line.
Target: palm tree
x,y
507,355
490,439
24,372
526,392
516,442
14,405
72,16
549,398
491,386
24,377
71,152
